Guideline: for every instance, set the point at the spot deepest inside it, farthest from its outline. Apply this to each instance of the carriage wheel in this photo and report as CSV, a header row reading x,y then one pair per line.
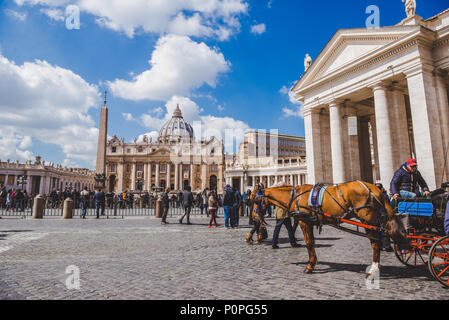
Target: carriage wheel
x,y
418,255
439,261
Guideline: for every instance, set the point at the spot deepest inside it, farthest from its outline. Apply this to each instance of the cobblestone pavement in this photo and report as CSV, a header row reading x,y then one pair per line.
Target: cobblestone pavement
x,y
138,258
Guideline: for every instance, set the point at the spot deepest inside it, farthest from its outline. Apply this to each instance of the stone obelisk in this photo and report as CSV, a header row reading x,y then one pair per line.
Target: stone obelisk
x,y
100,168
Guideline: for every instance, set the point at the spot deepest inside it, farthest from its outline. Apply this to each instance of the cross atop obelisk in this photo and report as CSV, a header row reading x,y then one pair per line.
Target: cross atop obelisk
x,y
102,141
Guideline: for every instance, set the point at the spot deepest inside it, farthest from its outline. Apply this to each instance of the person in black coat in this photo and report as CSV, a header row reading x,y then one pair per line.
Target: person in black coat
x,y
165,205
100,199
406,182
228,204
187,203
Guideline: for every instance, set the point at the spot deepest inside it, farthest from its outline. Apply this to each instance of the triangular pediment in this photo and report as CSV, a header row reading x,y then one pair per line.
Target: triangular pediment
x,y
349,47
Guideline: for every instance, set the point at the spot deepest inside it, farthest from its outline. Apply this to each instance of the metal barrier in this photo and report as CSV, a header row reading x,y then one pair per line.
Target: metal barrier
x,y
23,209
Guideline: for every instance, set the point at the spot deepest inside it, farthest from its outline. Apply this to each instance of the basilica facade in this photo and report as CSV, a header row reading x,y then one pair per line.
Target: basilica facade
x,y
174,160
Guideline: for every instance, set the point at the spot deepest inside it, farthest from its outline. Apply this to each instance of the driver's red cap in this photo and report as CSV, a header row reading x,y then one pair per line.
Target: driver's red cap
x,y
412,162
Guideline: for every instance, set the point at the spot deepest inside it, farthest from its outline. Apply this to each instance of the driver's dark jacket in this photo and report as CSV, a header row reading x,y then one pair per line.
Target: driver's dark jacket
x,y
407,181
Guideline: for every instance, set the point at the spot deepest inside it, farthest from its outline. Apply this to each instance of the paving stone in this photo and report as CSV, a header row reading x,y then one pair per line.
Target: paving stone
x,y
141,259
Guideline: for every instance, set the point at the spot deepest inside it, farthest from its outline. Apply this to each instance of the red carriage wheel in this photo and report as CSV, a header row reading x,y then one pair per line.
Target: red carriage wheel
x,y
439,261
418,255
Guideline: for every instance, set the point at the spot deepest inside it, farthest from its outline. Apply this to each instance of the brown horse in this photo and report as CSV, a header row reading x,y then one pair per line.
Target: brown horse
x,y
357,200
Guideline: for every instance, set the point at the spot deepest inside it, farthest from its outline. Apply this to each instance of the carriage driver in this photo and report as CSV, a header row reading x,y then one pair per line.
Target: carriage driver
x,y
406,182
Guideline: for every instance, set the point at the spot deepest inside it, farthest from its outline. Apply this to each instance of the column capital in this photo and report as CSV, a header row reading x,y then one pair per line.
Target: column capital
x,y
336,103
419,69
437,72
380,85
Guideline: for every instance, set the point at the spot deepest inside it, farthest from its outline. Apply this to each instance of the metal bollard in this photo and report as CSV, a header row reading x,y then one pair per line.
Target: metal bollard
x,y
38,207
67,212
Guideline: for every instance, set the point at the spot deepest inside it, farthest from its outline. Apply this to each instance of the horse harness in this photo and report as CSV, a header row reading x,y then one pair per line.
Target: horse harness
x,y
316,209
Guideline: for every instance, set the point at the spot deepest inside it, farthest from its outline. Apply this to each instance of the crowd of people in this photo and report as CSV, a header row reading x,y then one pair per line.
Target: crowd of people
x,y
14,199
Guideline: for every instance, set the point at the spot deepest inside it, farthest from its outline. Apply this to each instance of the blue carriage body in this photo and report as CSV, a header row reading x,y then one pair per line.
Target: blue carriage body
x,y
416,208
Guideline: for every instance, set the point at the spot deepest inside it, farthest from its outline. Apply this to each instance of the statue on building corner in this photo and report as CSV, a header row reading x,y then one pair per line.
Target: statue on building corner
x,y
410,7
307,62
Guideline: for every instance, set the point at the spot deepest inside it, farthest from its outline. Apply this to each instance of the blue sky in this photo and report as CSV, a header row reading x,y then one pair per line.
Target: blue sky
x,y
53,78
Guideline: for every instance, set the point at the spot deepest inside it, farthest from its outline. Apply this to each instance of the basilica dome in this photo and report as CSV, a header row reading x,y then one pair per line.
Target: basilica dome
x,y
176,129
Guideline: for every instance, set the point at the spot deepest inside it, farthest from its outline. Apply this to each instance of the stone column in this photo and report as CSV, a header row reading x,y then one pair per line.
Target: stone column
x,y
384,135
150,174
443,111
133,176
41,186
366,167
352,148
338,163
158,167
399,127
176,176
313,148
145,176
375,168
192,180
203,176
168,175
426,125
120,177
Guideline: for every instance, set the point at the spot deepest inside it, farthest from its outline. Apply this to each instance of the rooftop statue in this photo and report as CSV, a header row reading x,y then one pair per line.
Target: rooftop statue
x,y
307,62
410,7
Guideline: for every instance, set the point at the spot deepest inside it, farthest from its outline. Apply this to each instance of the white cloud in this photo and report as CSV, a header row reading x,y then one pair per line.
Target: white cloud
x,y
296,112
178,65
205,126
48,103
259,28
16,15
13,146
54,14
187,17
291,96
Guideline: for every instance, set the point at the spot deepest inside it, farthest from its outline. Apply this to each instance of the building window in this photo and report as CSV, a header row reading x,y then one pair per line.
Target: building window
x,y
114,149
11,180
186,167
128,150
139,167
213,168
140,149
163,168
112,167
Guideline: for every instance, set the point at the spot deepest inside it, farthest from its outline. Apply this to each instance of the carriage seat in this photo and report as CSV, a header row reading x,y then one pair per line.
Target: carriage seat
x,y
420,208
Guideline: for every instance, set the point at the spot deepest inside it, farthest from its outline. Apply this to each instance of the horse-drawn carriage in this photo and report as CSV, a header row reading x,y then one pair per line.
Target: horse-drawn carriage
x,y
429,245
416,228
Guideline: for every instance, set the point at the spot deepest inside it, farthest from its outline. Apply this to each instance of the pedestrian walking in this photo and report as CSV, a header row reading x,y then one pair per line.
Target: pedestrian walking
x,y
213,207
84,202
228,205
187,203
283,219
205,196
100,199
165,205
9,200
236,207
